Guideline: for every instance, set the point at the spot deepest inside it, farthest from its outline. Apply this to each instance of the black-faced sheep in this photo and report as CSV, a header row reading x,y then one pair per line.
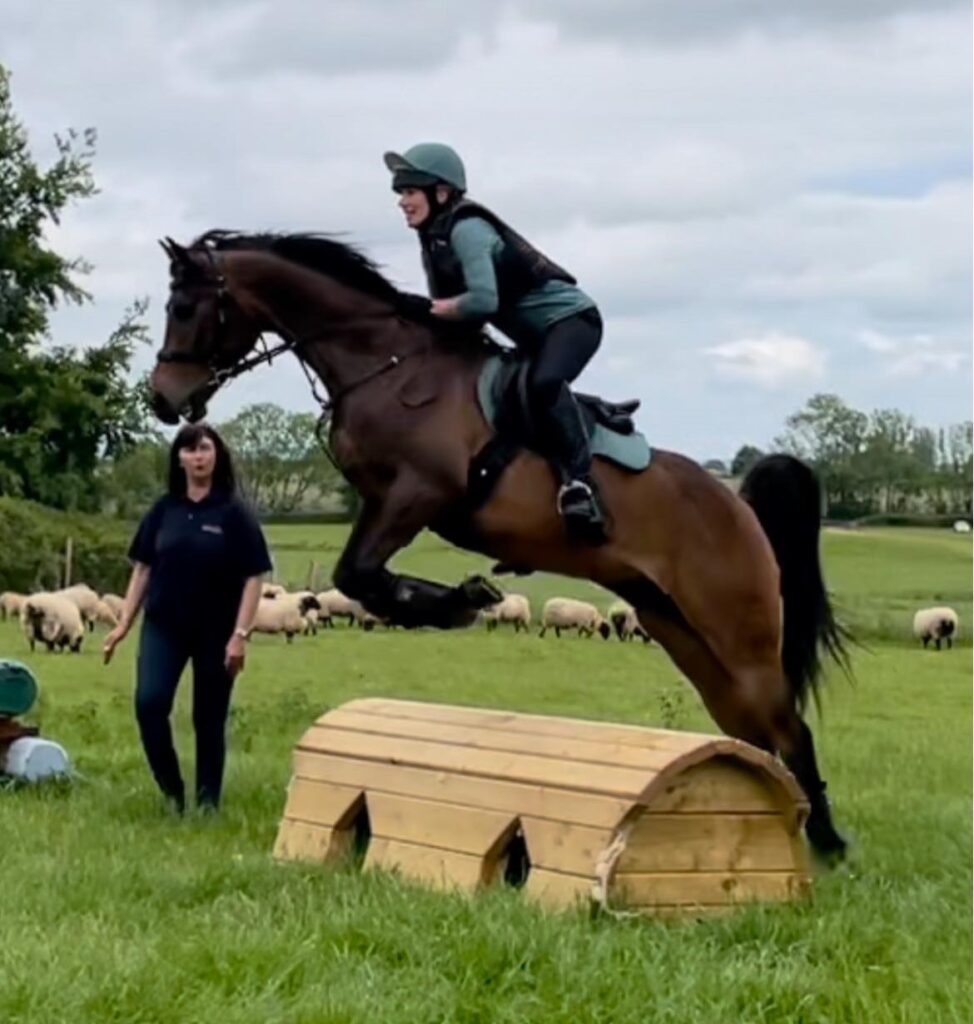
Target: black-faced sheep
x,y
54,620
937,624
514,609
567,613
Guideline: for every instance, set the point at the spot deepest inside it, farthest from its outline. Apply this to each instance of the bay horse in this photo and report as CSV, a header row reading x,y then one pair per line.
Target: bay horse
x,y
729,584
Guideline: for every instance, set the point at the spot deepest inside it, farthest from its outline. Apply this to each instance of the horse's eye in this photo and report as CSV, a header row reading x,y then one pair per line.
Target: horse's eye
x,y
182,310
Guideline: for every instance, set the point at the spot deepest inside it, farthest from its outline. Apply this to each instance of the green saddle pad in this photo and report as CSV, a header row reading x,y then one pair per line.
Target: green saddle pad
x,y
18,688
631,451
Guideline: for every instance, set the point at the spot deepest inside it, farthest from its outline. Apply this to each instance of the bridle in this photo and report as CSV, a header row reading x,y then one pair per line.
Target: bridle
x,y
289,343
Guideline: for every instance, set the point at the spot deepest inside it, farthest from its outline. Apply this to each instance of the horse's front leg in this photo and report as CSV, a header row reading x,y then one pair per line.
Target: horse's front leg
x,y
385,526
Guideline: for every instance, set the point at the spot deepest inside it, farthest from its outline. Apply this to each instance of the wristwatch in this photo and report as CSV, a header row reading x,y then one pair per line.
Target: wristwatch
x,y
242,633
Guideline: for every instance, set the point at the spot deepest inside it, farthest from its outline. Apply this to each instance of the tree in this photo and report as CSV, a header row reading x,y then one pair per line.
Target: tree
x,y
131,481
745,458
282,465
832,437
60,410
717,466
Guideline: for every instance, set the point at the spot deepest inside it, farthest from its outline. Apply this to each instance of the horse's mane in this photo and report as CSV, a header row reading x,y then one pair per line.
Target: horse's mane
x,y
345,263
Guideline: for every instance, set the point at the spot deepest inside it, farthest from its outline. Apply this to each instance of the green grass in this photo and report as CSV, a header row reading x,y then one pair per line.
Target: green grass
x,y
114,912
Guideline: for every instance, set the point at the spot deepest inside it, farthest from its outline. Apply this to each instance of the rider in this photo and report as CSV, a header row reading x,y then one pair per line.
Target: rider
x,y
481,270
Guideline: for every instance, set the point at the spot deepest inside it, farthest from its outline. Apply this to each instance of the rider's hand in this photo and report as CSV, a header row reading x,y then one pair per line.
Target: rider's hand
x,y
417,307
446,309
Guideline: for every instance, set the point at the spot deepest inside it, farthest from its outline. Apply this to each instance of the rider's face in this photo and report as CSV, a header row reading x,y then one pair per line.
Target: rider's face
x,y
415,206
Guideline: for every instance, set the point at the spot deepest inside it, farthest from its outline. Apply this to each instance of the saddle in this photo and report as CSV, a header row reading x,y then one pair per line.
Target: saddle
x,y
512,401
502,392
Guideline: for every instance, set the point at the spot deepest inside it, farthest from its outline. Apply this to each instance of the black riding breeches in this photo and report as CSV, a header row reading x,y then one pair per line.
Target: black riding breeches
x,y
562,354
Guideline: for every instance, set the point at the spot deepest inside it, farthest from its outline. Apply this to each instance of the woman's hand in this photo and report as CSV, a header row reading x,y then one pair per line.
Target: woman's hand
x,y
114,638
235,655
446,309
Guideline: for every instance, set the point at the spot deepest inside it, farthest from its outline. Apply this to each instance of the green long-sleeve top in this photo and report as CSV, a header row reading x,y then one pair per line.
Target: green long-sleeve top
x,y
477,244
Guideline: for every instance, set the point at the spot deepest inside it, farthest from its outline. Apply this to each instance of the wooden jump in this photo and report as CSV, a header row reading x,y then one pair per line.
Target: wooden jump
x,y
644,819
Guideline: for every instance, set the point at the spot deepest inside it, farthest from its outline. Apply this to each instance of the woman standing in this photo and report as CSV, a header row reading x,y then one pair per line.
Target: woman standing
x,y
198,557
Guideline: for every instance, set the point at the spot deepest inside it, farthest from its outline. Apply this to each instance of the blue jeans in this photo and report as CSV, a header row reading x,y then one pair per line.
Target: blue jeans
x,y
162,657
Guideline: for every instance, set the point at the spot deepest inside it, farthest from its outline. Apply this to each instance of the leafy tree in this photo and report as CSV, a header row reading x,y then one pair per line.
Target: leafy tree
x,y
60,410
745,458
283,466
716,466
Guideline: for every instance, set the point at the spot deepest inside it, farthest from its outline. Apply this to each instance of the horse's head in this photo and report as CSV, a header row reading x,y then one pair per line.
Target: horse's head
x,y
207,334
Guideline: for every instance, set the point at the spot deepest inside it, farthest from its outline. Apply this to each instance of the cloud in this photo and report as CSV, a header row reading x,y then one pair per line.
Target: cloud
x,y
913,355
771,360
706,170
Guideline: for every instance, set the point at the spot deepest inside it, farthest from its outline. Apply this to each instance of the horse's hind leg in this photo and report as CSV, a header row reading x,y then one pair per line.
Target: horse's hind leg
x,y
753,704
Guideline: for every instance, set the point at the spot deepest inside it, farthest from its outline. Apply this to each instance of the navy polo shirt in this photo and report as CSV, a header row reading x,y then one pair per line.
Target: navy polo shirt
x,y
200,553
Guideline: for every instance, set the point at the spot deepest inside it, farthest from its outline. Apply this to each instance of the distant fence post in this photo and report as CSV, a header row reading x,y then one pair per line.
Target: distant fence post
x,y
312,575
68,554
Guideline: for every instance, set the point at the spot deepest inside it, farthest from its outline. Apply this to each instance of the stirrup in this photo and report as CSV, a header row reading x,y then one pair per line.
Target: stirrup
x,y
576,490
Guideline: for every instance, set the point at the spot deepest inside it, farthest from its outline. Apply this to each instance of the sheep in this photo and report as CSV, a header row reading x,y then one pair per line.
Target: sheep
x,y
10,604
935,624
315,616
515,608
272,590
622,615
339,606
283,614
566,613
85,599
53,619
105,614
114,602
962,526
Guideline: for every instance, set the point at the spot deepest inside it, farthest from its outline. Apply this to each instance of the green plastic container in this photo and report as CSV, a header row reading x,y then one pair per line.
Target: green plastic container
x,y
18,688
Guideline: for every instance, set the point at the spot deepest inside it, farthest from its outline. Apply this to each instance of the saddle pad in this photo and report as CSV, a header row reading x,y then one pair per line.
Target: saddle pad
x,y
631,451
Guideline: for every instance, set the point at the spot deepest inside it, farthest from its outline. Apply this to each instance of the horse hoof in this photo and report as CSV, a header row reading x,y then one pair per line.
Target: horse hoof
x,y
829,848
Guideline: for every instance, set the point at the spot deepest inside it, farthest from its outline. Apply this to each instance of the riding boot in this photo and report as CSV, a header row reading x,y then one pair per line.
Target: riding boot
x,y
578,500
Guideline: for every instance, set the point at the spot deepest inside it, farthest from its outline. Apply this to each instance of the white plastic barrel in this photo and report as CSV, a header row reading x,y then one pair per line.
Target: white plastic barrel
x,y
32,759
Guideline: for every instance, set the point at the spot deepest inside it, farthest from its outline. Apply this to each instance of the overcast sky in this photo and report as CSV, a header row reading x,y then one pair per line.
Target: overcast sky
x,y
767,198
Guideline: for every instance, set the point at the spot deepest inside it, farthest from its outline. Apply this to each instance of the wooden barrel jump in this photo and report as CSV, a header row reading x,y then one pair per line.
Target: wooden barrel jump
x,y
644,819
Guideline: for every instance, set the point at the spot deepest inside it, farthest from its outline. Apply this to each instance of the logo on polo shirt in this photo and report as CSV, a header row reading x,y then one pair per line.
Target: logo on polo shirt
x,y
211,528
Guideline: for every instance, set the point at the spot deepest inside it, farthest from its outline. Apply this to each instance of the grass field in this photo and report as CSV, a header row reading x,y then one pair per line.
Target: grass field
x,y
113,911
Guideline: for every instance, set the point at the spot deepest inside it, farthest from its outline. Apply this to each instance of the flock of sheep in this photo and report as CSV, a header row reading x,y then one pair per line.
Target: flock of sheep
x,y
303,612
60,619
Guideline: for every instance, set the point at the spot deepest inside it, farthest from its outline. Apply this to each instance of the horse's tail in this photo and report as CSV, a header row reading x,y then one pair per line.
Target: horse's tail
x,y
785,496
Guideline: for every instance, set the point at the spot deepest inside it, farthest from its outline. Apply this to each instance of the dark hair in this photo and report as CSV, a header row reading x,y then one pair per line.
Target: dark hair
x,y
189,437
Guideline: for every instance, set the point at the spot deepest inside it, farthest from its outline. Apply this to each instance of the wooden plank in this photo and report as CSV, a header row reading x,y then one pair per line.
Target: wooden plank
x,y
323,803
560,747
446,826
445,869
708,842
557,890
720,784
297,840
536,725
707,888
539,725
490,794
561,846
623,782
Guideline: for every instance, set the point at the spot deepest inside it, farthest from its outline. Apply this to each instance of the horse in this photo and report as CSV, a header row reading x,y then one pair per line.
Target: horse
x,y
729,584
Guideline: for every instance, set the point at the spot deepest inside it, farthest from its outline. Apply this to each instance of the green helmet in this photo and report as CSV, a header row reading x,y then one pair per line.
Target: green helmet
x,y
428,163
